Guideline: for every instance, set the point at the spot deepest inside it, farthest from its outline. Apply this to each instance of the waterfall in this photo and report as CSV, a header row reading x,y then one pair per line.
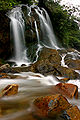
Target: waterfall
x,y
43,30
17,27
49,39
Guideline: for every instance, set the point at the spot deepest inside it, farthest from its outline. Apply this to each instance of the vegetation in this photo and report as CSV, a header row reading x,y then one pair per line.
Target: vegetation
x,y
7,4
64,24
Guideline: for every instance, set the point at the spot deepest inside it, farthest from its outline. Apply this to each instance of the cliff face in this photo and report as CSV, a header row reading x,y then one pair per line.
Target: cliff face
x,y
4,35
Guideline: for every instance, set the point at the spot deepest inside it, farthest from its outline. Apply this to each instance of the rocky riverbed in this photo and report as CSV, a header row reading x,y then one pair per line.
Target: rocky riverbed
x,y
48,89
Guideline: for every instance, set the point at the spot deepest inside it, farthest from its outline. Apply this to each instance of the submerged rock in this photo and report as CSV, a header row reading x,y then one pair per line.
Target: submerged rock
x,y
73,113
50,106
56,107
4,75
9,90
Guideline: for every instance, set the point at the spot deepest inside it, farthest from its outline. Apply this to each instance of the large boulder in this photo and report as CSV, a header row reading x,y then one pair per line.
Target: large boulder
x,y
6,69
67,72
50,106
75,64
72,59
49,59
52,55
49,63
67,89
55,107
73,113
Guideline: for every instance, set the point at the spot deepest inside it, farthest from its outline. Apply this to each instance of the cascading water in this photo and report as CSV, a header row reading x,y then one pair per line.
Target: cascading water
x,y
17,27
49,39
45,37
39,46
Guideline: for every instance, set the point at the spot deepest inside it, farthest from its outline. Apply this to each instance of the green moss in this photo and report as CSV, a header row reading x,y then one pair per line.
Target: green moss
x,y
8,4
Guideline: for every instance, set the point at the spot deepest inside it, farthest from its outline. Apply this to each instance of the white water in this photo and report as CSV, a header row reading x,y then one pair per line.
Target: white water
x,y
39,46
63,62
48,37
31,86
45,38
17,27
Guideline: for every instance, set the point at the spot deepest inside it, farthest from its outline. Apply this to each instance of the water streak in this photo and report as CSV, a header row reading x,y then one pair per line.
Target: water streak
x,y
49,38
39,46
17,27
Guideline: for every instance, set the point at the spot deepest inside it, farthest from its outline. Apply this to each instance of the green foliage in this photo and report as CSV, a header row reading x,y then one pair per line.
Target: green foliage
x,y
64,25
7,4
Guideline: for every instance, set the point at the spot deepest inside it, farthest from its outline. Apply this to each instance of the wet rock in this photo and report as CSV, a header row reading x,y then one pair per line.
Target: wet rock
x,y
64,79
73,113
49,63
48,60
4,75
50,105
72,60
52,55
45,68
67,72
6,69
67,89
75,64
62,51
4,66
9,90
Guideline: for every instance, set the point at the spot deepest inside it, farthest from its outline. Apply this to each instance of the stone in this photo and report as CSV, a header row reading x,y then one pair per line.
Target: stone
x,y
45,68
67,89
73,113
4,75
9,90
50,106
64,79
75,64
4,66
51,55
49,63
7,69
67,72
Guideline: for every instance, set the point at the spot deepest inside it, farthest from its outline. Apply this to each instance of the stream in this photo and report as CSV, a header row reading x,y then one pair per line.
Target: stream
x,y
31,86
